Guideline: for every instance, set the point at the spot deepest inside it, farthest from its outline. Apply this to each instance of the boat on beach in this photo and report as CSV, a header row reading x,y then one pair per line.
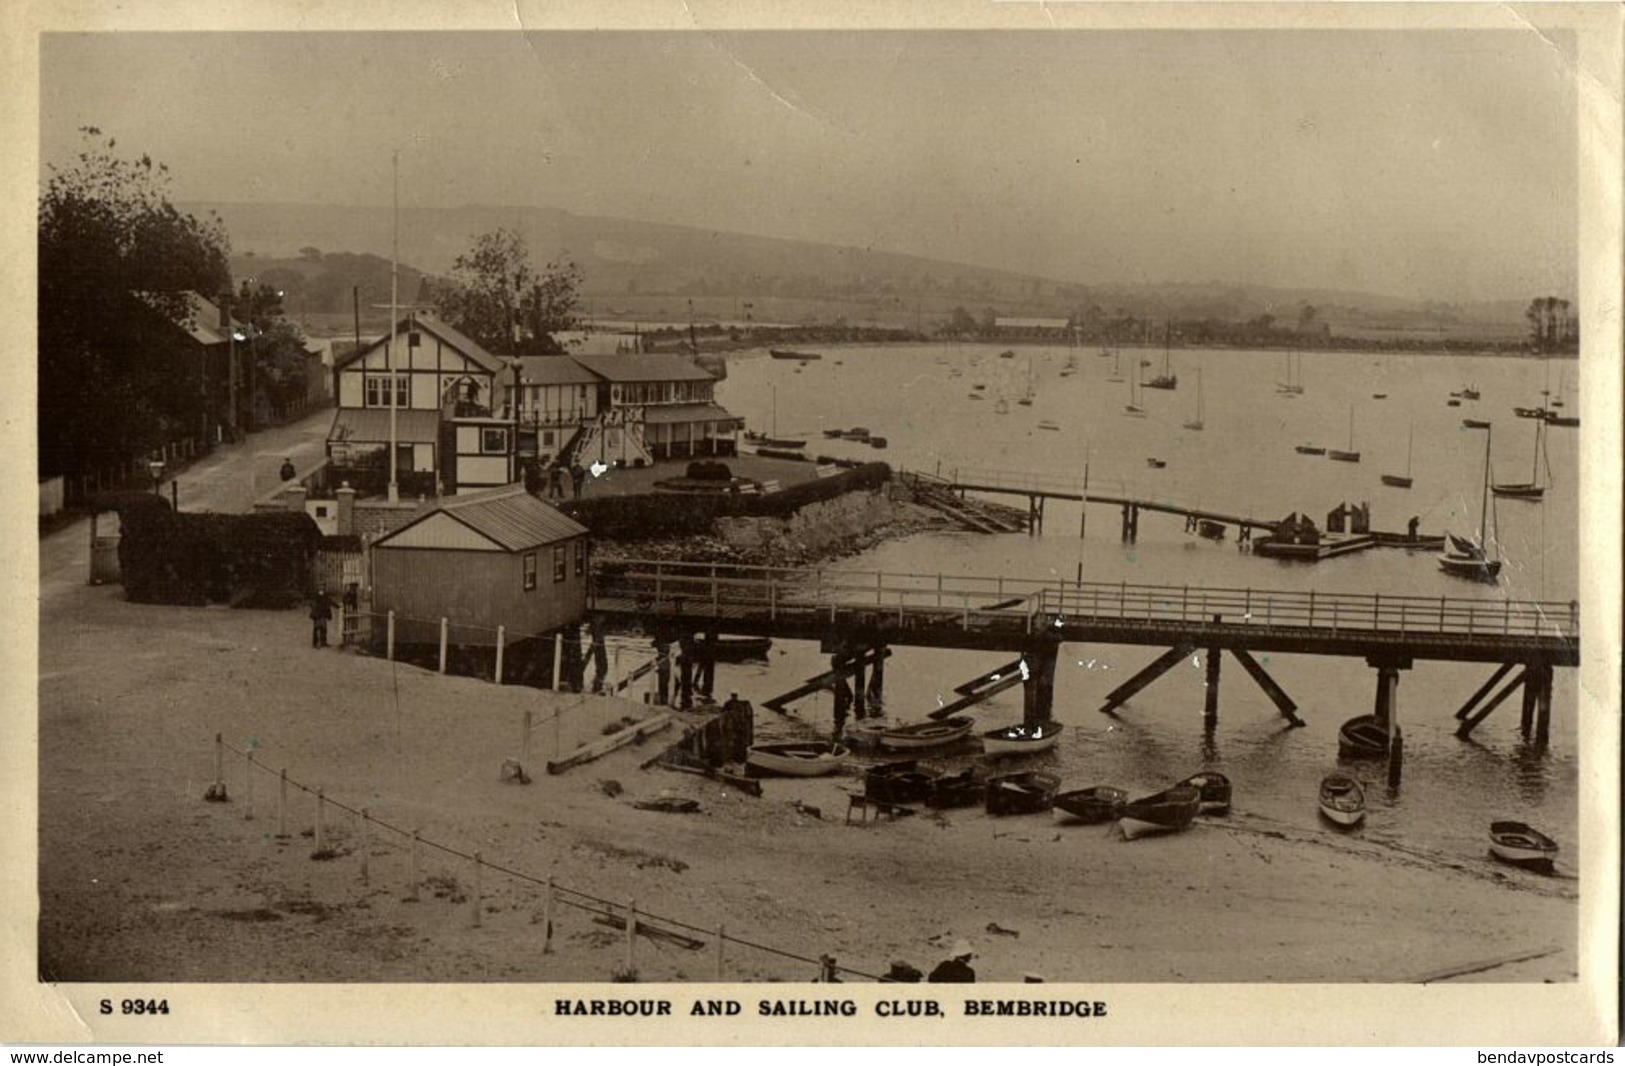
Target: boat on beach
x,y
1213,792
1517,844
1088,806
1021,739
898,782
1364,736
919,735
1168,811
1024,792
955,790
808,758
1310,449
1342,800
737,649
786,353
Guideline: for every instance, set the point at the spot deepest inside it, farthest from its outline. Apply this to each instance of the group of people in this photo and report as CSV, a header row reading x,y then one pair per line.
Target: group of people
x,y
550,478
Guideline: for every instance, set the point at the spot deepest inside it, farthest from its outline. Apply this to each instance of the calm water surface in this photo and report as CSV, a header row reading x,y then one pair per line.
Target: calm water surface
x,y
1242,462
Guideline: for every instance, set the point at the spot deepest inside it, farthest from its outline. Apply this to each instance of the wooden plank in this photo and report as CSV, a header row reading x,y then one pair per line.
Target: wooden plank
x,y
996,674
1467,708
600,748
1163,663
653,932
976,697
1275,692
1471,722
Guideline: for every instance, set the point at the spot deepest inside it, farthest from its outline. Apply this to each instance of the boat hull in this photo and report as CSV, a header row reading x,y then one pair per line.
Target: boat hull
x,y
1166,812
1088,806
1021,739
1517,844
1518,492
1342,800
1474,569
1023,793
1396,480
1212,790
1343,457
926,734
1363,737
797,760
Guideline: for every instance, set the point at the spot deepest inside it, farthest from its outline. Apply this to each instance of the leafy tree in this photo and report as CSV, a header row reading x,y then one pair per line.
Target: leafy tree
x,y
277,346
498,299
115,262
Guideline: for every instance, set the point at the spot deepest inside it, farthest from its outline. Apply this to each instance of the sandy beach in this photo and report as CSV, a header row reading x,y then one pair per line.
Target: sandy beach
x,y
140,878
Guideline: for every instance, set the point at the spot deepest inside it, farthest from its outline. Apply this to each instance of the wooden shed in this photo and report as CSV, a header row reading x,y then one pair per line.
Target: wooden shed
x,y
480,560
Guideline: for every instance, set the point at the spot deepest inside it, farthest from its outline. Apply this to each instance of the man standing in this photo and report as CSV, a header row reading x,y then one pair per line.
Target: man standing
x,y
321,612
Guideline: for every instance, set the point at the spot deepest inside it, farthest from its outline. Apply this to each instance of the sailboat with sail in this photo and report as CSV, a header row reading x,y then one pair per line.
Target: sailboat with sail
x,y
1467,558
1166,380
1348,455
1531,489
1403,481
1196,422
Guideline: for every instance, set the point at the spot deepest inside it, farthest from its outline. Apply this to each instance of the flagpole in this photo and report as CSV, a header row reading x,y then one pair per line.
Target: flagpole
x,y
394,299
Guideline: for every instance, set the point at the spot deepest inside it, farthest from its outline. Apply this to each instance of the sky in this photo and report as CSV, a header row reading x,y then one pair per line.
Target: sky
x,y
1430,164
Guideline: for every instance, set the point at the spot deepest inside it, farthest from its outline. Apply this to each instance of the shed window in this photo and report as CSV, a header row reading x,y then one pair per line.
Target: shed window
x,y
581,558
558,564
530,571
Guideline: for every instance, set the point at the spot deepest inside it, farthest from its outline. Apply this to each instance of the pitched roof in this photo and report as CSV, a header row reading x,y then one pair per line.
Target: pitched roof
x,y
444,330
644,367
507,516
689,412
554,370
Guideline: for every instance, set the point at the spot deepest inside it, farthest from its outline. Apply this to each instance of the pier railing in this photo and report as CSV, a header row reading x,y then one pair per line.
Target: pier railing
x,y
701,590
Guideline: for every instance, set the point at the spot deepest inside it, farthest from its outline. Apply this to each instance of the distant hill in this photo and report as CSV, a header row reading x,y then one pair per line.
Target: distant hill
x,y
648,270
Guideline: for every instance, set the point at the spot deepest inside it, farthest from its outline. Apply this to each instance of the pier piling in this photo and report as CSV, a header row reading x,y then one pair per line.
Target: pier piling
x,y
1210,701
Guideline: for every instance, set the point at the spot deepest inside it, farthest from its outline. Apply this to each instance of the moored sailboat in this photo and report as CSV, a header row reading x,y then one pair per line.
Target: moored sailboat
x,y
1468,558
1399,481
1531,489
1348,455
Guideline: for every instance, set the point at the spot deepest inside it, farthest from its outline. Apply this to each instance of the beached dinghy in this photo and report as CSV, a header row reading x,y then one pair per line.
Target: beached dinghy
x,y
1021,739
1213,790
1088,806
919,735
1520,845
799,759
898,782
1166,812
956,790
1342,800
1363,737
1027,792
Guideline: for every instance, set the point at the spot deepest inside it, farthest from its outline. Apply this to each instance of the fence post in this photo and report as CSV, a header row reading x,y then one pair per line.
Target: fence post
x,y
412,869
474,896
524,744
502,641
1249,607
547,918
558,665
248,785
366,845
1402,619
282,804
445,633
1311,607
321,823
389,650
631,935
721,938
880,584
220,762
1506,622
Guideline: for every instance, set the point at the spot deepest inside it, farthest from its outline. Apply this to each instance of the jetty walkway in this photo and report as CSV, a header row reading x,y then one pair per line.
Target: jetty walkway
x,y
857,614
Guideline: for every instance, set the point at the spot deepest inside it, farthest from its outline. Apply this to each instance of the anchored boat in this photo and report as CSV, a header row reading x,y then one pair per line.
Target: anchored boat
x,y
1363,737
1342,800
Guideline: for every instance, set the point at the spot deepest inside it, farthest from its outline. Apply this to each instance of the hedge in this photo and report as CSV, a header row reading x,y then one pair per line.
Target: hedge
x,y
252,560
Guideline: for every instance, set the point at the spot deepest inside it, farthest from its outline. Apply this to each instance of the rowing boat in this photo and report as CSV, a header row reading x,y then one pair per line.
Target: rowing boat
x,y
1342,800
1027,792
1363,737
1088,806
1021,739
955,790
1520,845
1168,811
797,759
917,735
1213,789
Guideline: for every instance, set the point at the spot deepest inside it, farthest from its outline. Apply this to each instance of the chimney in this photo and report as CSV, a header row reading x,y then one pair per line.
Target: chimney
x,y
346,516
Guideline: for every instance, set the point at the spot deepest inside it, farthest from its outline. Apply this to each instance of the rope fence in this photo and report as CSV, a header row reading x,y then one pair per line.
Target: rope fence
x,y
625,913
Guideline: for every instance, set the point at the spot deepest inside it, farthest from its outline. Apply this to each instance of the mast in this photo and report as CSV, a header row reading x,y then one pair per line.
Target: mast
x,y
1410,439
1484,495
1534,463
394,299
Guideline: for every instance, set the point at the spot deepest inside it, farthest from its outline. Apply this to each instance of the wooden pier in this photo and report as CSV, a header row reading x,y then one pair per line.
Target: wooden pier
x,y
862,613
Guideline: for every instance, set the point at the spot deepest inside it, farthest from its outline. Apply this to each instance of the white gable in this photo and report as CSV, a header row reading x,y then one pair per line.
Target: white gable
x,y
440,531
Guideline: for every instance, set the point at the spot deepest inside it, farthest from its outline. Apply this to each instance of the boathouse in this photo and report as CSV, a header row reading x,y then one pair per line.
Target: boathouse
x,y
486,559
656,407
557,397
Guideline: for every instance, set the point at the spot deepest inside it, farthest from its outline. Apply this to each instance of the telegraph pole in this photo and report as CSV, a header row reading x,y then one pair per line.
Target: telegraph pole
x,y
394,300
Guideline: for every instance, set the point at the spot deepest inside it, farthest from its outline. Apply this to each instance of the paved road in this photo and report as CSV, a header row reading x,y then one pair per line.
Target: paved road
x,y
229,480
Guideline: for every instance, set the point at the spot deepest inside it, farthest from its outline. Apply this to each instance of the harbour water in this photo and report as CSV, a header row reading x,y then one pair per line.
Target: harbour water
x,y
1242,462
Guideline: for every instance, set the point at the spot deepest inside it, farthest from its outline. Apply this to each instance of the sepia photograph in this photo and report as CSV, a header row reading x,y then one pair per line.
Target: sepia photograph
x,y
1101,502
